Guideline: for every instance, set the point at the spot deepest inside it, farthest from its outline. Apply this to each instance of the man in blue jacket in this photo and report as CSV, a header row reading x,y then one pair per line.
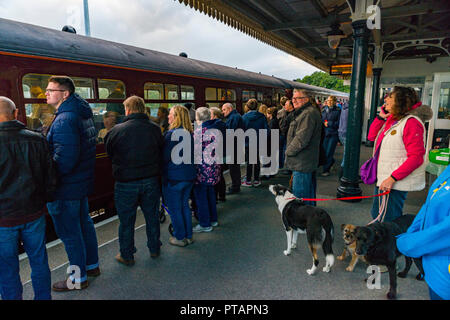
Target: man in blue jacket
x,y
257,121
72,139
233,121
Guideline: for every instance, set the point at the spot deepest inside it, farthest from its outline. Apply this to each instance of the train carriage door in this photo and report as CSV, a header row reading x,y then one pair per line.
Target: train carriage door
x,y
439,127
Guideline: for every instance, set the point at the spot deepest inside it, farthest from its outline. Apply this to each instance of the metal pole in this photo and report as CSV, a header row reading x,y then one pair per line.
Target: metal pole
x,y
87,24
349,183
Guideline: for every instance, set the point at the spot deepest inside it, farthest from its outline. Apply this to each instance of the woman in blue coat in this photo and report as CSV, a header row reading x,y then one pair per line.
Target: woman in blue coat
x,y
179,174
429,237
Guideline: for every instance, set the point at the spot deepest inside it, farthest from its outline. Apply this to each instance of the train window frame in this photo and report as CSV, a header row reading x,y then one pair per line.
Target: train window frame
x,y
76,79
183,86
161,91
109,97
222,95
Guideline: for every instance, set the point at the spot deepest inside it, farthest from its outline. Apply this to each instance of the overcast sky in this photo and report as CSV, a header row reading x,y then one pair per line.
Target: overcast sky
x,y
161,25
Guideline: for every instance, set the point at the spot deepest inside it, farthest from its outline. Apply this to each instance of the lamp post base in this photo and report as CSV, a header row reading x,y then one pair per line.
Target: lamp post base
x,y
349,188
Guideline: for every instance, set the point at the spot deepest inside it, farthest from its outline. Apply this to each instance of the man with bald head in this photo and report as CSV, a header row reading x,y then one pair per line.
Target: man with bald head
x,y
27,181
233,121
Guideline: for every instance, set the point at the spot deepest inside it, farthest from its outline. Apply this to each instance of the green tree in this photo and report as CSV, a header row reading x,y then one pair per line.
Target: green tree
x,y
322,79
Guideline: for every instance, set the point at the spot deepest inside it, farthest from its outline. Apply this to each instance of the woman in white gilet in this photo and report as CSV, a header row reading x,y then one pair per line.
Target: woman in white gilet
x,y
399,132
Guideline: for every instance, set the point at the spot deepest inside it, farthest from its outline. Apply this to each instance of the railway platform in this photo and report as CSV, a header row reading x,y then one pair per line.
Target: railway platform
x,y
241,259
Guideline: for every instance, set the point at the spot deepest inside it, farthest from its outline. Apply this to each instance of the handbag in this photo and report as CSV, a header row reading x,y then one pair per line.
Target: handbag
x,y
368,170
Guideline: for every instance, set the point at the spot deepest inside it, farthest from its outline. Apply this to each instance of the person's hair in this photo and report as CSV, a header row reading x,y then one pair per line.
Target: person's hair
x,y
228,104
134,104
404,99
202,114
263,109
283,100
252,104
164,111
290,102
273,112
181,118
333,98
7,107
304,92
188,105
65,82
216,112
111,114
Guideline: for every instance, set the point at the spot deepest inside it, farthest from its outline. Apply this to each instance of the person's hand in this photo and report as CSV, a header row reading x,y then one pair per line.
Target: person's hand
x,y
326,123
387,184
383,114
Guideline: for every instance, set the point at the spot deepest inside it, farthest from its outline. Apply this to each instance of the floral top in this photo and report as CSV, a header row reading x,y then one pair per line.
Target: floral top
x,y
207,173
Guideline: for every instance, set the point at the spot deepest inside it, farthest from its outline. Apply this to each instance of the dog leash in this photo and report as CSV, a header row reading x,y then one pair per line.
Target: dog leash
x,y
343,198
382,208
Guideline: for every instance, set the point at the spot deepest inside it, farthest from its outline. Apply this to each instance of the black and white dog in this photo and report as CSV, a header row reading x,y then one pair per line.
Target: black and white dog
x,y
301,218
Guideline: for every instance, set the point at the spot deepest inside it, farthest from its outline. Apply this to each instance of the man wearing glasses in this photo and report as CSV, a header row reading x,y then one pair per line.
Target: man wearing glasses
x,y
72,138
302,146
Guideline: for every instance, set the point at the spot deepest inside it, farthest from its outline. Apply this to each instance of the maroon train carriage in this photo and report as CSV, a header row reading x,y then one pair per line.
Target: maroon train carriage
x,y
105,73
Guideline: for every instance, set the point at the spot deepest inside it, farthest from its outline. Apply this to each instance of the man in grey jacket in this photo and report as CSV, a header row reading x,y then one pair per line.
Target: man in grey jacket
x,y
302,147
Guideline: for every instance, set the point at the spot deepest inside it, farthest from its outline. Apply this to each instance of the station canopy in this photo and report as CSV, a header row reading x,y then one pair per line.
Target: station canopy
x,y
408,28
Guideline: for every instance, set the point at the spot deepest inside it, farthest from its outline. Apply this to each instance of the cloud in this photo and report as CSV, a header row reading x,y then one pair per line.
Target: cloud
x,y
165,26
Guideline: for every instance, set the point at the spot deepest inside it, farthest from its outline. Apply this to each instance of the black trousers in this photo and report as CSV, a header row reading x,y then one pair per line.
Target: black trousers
x,y
220,187
235,173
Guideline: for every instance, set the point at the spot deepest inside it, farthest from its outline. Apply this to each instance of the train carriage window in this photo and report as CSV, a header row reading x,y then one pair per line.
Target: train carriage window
x,y
259,96
187,93
226,94
111,89
153,91
40,115
171,91
247,95
211,94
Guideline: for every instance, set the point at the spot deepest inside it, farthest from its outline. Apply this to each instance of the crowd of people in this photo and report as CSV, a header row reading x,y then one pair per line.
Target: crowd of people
x,y
57,171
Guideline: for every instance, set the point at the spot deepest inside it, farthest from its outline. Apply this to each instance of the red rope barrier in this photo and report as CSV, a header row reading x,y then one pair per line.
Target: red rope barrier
x,y
344,198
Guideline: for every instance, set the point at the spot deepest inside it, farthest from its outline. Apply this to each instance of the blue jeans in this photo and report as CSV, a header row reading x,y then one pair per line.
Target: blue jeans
x,y
75,228
343,138
32,235
176,197
206,204
394,205
127,197
304,185
329,145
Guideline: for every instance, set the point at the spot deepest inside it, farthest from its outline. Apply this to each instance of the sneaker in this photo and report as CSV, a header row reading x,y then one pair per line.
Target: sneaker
x,y
246,183
199,228
256,183
124,261
325,174
214,224
179,243
189,241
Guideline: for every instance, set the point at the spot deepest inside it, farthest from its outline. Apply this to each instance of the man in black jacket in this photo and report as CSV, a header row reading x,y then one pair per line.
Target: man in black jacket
x,y
135,148
27,180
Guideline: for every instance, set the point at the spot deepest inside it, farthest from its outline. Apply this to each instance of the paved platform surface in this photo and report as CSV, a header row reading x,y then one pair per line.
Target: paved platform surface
x,y
241,259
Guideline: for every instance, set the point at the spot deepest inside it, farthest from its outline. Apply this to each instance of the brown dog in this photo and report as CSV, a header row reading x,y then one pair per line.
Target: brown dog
x,y
348,232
